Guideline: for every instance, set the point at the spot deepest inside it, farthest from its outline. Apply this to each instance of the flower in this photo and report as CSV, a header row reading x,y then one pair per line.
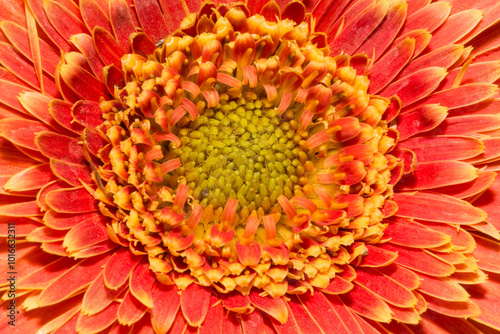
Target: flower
x,y
269,166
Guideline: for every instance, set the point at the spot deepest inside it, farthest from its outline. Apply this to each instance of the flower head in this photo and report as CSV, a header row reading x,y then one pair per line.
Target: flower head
x,y
261,166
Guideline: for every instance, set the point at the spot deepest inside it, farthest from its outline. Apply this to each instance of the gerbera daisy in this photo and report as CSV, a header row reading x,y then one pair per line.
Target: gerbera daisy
x,y
249,167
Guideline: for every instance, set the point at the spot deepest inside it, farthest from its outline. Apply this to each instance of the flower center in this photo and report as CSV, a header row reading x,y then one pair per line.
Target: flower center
x,y
241,149
241,155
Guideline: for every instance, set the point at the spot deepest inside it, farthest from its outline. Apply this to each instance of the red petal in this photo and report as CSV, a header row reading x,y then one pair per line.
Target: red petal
x,y
61,112
359,29
455,27
39,278
98,296
27,209
442,288
10,92
453,309
443,57
75,200
166,302
82,83
99,321
215,318
431,175
386,68
462,96
119,267
45,234
411,235
195,301
384,34
401,275
19,38
439,208
422,119
420,261
378,257
39,12
416,86
442,148
122,22
487,253
65,221
386,288
60,147
71,173
429,17
323,313
141,281
86,234
151,19
487,72
72,281
131,310
94,16
65,22
108,48
85,44
275,307
367,304
30,179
